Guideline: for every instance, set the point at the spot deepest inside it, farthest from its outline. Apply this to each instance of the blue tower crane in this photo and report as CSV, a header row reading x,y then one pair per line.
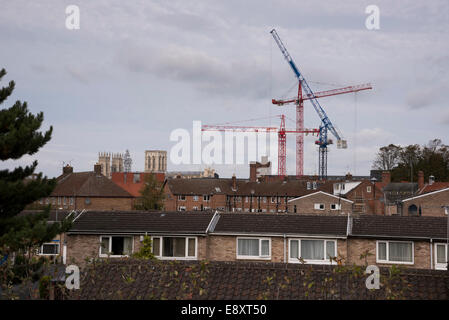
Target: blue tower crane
x,y
326,123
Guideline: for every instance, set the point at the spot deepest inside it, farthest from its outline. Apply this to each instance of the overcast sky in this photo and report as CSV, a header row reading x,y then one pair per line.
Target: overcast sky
x,y
137,70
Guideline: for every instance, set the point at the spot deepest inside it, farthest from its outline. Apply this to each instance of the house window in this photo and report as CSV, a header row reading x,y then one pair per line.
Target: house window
x,y
206,198
115,246
368,189
41,201
206,208
71,201
253,248
335,206
238,199
136,177
181,197
175,247
59,200
53,200
273,200
181,208
308,185
246,199
195,198
315,251
314,185
395,252
47,201
264,199
49,249
319,206
65,201
441,256
195,208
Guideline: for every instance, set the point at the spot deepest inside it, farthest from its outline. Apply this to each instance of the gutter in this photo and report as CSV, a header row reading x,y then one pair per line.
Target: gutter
x,y
289,235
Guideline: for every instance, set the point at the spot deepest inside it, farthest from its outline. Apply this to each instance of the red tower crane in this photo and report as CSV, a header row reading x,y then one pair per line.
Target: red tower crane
x,y
299,102
282,138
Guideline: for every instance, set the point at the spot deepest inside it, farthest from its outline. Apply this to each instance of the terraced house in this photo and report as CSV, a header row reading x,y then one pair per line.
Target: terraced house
x,y
87,190
237,195
415,242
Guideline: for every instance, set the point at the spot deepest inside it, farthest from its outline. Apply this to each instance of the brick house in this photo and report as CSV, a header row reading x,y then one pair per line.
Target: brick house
x,y
320,203
236,195
133,182
87,190
386,240
435,203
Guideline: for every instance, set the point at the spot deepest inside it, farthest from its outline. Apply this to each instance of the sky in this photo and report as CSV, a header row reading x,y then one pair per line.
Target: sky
x,y
135,71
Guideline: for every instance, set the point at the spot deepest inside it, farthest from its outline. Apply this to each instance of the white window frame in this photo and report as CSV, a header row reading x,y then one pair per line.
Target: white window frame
x,y
259,257
195,208
102,255
40,250
368,189
195,198
316,206
440,266
273,199
388,253
206,198
182,208
186,257
181,197
310,261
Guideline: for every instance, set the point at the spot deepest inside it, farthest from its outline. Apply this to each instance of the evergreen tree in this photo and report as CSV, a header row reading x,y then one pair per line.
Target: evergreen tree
x,y
152,195
20,187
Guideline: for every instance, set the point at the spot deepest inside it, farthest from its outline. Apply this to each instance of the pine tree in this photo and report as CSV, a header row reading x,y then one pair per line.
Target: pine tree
x,y
20,187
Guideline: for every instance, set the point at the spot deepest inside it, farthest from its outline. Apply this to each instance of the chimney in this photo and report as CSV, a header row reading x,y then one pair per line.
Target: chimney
x,y
234,183
252,172
97,168
348,177
431,180
67,169
420,180
386,177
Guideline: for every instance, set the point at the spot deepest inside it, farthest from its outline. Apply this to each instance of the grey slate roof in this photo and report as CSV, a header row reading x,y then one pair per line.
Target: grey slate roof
x,y
196,222
281,224
401,227
141,221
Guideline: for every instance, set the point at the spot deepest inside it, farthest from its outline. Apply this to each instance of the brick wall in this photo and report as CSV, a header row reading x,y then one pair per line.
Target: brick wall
x,y
172,203
223,248
306,205
358,246
431,205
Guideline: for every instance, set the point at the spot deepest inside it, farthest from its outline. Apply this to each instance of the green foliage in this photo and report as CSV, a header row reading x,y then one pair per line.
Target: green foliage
x,y
432,159
44,287
146,251
152,195
21,187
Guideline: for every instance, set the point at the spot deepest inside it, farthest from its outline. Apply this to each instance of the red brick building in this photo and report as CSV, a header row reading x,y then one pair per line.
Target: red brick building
x,y
87,190
236,195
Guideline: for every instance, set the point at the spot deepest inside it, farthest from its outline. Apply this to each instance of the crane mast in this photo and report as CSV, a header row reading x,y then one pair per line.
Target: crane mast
x,y
326,124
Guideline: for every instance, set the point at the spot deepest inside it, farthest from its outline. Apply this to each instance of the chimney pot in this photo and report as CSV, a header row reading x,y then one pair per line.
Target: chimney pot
x,y
97,168
67,169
